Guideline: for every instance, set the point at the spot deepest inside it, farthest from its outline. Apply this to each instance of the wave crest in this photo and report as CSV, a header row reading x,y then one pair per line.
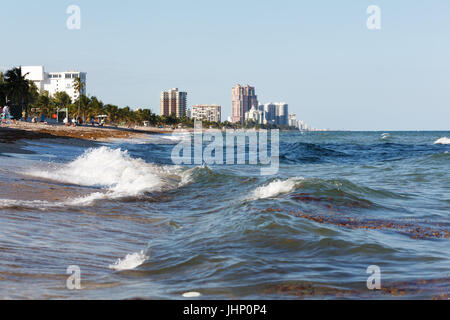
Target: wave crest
x,y
275,188
130,262
443,140
117,172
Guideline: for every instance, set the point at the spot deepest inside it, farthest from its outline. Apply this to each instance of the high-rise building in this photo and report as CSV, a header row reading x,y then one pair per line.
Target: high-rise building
x,y
212,113
275,113
270,115
54,81
255,115
293,120
173,102
282,113
242,100
302,125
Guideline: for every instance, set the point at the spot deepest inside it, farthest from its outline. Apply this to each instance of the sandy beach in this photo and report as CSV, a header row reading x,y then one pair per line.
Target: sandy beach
x,y
12,136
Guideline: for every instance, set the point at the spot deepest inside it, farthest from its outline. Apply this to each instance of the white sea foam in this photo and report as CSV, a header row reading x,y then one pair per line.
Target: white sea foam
x,y
191,295
444,140
276,188
157,139
130,262
29,204
115,171
385,136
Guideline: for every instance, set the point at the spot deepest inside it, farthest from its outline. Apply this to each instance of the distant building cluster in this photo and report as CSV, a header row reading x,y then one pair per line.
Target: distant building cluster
x,y
302,126
244,108
54,82
244,101
174,102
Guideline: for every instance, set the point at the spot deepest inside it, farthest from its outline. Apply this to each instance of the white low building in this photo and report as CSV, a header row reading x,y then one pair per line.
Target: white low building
x,y
55,81
255,115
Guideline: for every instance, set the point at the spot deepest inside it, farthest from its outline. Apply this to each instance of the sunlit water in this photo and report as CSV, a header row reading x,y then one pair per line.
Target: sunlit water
x,y
140,227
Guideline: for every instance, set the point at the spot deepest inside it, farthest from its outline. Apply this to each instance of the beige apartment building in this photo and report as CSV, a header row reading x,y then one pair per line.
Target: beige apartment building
x,y
173,102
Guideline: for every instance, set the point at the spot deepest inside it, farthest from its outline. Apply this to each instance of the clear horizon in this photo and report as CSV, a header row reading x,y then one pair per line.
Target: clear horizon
x,y
320,58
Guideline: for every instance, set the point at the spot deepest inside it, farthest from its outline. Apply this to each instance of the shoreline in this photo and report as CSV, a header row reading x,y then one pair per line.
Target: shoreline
x,y
13,137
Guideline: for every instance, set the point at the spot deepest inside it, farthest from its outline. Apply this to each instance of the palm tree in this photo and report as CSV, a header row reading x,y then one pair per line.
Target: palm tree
x,y
16,87
45,103
2,90
112,111
79,86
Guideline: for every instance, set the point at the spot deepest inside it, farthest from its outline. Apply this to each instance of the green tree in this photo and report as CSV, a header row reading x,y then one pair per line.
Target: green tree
x,y
112,112
79,87
60,100
83,105
94,108
16,89
33,94
43,102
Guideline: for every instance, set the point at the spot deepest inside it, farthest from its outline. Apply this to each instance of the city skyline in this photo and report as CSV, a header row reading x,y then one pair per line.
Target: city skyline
x,y
333,71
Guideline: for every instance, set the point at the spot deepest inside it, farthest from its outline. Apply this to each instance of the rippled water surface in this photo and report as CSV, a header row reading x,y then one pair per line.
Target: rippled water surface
x,y
139,226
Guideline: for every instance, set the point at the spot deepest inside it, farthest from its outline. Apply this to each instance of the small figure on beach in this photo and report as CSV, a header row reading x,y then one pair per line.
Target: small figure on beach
x,y
6,116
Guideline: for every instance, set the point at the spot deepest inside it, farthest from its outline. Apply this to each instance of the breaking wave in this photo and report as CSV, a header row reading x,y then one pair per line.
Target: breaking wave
x,y
130,262
275,188
444,140
115,171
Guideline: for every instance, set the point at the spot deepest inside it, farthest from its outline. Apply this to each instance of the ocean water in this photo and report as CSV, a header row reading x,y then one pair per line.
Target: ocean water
x,y
138,226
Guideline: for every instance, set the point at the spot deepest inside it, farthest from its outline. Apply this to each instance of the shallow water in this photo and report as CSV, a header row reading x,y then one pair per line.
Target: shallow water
x,y
139,226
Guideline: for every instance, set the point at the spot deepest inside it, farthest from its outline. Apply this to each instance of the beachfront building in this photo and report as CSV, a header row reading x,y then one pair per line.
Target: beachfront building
x,y
255,115
303,126
212,113
54,81
243,98
269,110
173,102
275,113
282,114
293,120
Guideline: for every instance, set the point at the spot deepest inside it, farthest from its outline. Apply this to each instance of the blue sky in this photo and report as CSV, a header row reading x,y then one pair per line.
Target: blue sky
x,y
318,56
